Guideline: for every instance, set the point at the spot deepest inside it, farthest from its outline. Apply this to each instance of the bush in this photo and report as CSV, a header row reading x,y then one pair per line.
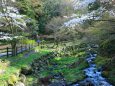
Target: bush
x,y
12,80
107,48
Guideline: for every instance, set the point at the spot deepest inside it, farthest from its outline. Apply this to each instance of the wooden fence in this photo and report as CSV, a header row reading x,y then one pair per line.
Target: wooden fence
x,y
8,51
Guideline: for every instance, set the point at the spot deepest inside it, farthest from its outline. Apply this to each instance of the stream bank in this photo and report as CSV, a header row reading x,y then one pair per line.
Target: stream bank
x,y
94,75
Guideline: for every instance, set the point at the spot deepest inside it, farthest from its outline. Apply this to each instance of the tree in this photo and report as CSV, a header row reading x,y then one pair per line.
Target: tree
x,y
54,25
14,24
102,33
30,8
93,6
108,4
51,9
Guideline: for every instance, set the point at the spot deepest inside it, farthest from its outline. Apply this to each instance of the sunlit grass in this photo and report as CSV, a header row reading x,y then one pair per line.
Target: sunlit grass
x,y
17,62
70,74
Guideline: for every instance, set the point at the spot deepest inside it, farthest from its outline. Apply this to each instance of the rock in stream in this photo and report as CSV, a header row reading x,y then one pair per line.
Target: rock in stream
x,y
94,77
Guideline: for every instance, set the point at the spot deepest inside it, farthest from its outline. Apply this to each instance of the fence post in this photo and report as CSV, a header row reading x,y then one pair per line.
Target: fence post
x,y
7,52
29,47
16,51
12,51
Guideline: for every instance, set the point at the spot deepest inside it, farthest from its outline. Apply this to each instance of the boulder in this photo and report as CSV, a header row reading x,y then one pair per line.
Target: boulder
x,y
26,71
46,80
22,78
2,71
19,84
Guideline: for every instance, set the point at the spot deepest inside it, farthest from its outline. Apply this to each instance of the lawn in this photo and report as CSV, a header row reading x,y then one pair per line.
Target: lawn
x,y
13,65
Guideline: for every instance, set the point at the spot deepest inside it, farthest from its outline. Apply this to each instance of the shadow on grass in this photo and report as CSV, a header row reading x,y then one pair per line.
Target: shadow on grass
x,y
17,62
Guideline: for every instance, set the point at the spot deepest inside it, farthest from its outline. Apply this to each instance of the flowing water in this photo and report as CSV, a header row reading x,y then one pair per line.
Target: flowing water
x,y
94,77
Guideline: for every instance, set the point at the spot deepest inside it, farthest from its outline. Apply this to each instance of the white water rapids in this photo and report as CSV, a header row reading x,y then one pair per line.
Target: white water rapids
x,y
94,77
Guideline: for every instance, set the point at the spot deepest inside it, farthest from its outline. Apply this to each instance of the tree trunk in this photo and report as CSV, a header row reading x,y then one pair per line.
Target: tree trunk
x,y
13,44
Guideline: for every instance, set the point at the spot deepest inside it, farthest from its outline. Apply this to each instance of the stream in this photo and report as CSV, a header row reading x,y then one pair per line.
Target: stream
x,y
94,77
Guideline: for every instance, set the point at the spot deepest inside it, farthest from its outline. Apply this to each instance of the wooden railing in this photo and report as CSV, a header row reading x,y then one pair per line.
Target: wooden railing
x,y
8,50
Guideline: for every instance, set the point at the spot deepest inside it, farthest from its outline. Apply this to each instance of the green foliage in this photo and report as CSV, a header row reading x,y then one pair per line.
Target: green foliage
x,y
108,66
55,24
20,55
107,47
93,6
28,41
25,8
65,65
16,63
43,11
52,9
101,61
102,34
12,80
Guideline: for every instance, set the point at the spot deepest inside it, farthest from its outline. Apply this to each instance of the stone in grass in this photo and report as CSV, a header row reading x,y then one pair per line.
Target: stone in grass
x,y
86,83
45,80
19,84
22,78
74,65
26,71
2,71
3,60
58,84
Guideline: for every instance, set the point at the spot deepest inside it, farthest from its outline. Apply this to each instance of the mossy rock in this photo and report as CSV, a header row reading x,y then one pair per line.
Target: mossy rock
x,y
26,71
105,73
19,84
22,78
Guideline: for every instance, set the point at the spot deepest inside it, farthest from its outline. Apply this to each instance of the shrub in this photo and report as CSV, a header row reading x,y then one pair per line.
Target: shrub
x,y
12,80
107,48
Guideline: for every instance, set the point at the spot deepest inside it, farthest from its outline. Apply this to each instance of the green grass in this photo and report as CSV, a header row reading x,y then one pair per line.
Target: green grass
x,y
15,64
30,80
70,74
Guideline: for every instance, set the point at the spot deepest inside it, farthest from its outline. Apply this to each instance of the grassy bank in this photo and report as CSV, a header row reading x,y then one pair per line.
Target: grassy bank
x,y
109,68
70,67
13,65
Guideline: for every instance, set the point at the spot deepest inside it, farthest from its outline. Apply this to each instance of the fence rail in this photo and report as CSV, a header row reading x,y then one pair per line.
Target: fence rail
x,y
8,50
